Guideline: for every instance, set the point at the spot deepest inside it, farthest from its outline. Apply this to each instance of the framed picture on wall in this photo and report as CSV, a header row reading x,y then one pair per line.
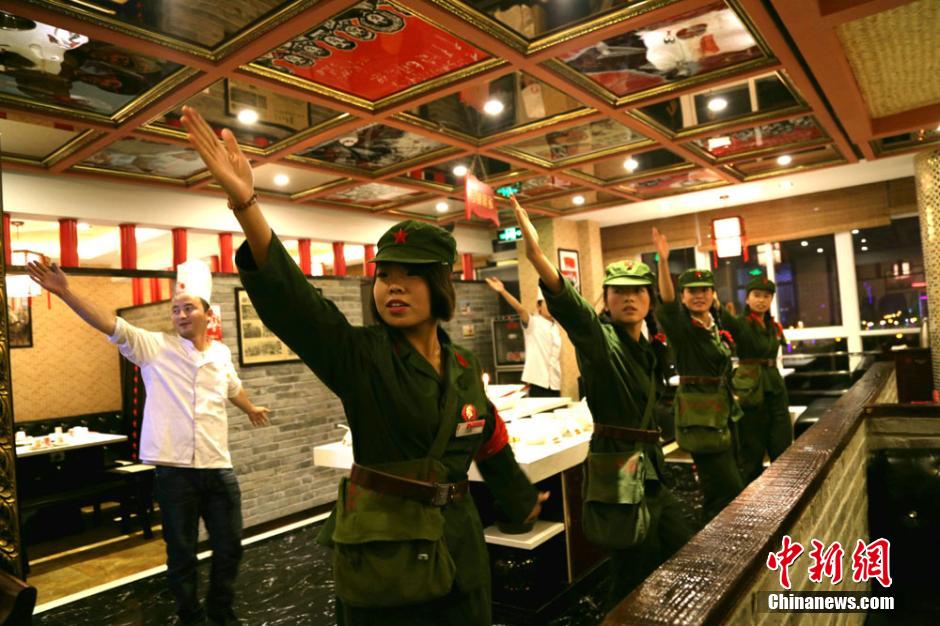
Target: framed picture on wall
x,y
257,344
21,323
570,266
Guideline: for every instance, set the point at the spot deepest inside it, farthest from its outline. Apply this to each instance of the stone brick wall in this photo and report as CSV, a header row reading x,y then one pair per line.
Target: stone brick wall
x,y
837,512
275,463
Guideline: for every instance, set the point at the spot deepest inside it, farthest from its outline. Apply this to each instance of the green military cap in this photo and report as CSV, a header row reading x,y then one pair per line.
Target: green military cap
x,y
628,273
696,278
416,242
761,282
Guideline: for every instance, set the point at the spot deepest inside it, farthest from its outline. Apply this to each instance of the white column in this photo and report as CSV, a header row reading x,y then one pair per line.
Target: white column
x,y
848,295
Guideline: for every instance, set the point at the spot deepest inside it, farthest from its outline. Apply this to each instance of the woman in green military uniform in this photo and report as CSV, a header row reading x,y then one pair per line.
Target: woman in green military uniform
x,y
766,426
628,510
408,541
705,408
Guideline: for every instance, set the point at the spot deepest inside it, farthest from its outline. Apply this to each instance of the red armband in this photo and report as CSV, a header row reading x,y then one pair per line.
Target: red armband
x,y
497,440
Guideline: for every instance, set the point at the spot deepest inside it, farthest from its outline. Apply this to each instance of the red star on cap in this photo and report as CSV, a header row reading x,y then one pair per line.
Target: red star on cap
x,y
401,236
698,274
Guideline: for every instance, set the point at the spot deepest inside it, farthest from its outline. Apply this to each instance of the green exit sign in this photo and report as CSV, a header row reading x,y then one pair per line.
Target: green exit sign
x,y
510,234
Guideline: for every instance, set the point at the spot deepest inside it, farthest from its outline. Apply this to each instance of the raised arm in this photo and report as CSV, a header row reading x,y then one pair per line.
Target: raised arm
x,y
497,286
546,271
52,279
231,169
666,290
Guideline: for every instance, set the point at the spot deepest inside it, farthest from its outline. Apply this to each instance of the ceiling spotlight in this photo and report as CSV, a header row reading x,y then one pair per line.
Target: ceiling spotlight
x,y
820,250
460,171
247,116
717,104
281,180
804,243
630,164
784,159
578,200
864,248
864,240
493,107
854,231
441,207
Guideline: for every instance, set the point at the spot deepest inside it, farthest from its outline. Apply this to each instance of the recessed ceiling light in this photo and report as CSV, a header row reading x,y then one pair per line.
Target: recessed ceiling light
x,y
854,231
784,159
630,164
460,171
864,240
717,104
820,250
493,107
864,248
804,243
281,180
441,207
578,200
247,116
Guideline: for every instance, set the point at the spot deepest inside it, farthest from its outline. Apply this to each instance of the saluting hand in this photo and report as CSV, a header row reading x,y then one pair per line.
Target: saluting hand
x,y
543,496
495,284
49,277
224,158
529,233
661,244
258,415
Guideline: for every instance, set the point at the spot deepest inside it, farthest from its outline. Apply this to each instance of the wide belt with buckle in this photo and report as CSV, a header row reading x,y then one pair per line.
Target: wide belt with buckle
x,y
434,494
628,434
767,362
701,380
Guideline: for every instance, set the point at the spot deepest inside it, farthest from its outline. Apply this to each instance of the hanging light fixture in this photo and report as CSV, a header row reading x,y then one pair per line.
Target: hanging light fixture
x,y
21,285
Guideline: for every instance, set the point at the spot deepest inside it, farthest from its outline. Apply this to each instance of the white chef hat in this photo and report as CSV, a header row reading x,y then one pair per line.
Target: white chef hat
x,y
538,294
194,278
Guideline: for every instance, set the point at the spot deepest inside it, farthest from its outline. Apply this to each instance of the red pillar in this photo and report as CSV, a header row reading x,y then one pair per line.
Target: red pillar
x,y
137,287
339,259
156,291
7,243
128,246
368,268
468,273
179,246
226,264
68,242
303,248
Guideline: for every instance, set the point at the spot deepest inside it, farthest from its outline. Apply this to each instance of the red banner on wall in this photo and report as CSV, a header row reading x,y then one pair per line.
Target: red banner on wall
x,y
480,200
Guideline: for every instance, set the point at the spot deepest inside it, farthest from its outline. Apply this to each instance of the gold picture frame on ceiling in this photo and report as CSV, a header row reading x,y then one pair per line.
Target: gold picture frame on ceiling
x,y
414,120
651,173
506,35
766,59
796,168
575,160
822,139
330,39
88,11
83,138
931,138
138,158
711,182
410,197
402,166
155,93
754,118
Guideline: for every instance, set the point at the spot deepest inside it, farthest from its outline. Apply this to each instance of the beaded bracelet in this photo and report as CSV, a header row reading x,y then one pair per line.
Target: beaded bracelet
x,y
242,206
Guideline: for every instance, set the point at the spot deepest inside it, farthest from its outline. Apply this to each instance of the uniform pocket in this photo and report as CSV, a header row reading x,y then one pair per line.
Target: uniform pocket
x,y
615,514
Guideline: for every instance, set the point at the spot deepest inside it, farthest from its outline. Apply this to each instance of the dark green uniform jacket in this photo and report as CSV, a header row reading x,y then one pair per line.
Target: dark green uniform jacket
x,y
393,398
756,340
615,370
699,351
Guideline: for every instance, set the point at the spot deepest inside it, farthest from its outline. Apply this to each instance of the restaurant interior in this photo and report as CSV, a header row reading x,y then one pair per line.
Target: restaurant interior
x,y
796,139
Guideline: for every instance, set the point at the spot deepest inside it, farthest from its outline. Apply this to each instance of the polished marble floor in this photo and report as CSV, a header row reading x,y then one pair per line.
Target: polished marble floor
x,y
287,579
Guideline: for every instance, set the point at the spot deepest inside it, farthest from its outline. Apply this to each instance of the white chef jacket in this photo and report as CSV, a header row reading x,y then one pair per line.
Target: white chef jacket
x,y
185,419
542,353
